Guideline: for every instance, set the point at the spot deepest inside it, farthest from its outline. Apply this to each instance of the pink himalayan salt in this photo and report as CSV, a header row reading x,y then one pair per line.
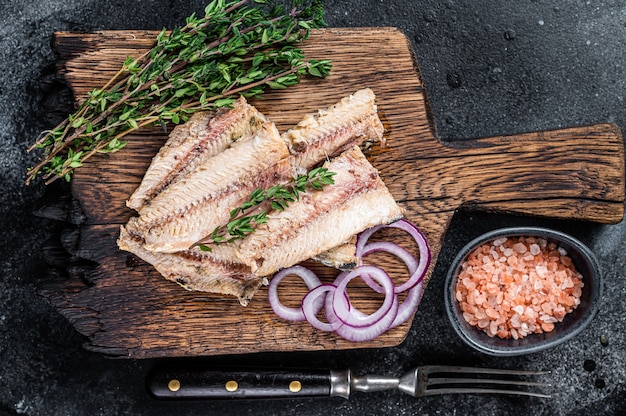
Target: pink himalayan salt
x,y
513,287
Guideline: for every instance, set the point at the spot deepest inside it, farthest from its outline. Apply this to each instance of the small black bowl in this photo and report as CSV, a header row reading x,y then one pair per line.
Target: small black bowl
x,y
573,323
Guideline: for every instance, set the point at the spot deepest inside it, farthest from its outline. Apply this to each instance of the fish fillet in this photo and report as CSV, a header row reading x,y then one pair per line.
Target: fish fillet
x,y
351,121
195,269
183,214
212,163
324,219
204,135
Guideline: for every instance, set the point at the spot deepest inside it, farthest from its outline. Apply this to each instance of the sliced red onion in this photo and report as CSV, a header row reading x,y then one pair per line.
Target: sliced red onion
x,y
310,309
329,299
417,275
408,259
292,314
343,311
422,244
345,319
409,305
364,333
362,238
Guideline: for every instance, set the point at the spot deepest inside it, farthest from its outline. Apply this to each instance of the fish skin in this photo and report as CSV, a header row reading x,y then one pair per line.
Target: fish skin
x,y
322,220
184,214
204,135
194,269
351,121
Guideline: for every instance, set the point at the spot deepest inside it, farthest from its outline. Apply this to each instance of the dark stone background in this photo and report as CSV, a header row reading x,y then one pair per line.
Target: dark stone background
x,y
490,67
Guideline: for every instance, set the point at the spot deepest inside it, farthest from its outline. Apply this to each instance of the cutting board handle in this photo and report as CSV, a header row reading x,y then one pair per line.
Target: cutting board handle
x,y
574,173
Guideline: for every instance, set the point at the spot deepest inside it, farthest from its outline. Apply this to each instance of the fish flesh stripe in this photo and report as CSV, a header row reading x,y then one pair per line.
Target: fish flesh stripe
x,y
204,135
182,215
323,219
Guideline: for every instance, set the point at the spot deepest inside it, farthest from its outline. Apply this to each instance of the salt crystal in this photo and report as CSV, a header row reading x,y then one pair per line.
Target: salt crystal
x,y
491,312
520,248
480,299
519,309
542,271
468,316
562,251
530,313
499,241
568,283
548,319
493,328
535,249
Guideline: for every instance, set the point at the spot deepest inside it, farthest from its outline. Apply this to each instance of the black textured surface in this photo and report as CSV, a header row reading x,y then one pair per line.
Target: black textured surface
x,y
490,67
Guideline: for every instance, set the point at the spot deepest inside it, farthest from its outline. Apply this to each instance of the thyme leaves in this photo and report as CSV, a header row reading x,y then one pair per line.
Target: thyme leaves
x,y
254,211
234,49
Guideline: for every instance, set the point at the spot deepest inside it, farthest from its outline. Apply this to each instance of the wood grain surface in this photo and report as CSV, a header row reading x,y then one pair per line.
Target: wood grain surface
x,y
127,309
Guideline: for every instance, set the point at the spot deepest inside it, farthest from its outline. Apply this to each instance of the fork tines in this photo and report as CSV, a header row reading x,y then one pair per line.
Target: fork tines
x,y
450,380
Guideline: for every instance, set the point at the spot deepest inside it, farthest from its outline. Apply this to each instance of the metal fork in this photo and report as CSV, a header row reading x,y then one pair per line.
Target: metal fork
x,y
438,379
198,383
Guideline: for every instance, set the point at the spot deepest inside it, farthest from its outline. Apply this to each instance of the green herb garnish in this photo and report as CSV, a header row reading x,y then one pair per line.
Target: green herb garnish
x,y
235,49
278,197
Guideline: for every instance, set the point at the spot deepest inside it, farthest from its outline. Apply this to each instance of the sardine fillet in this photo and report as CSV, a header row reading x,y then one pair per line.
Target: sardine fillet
x,y
351,121
204,135
182,215
322,220
196,270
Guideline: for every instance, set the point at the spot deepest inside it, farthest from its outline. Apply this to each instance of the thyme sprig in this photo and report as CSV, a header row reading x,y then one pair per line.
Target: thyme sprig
x,y
255,210
235,49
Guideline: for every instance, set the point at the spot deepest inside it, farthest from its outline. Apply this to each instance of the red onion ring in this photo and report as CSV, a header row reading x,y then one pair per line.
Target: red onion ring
x,y
362,249
292,314
353,309
310,309
364,333
408,307
344,313
392,248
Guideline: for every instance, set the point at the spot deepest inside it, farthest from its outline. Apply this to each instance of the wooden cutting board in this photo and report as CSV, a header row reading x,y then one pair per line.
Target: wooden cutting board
x,y
127,309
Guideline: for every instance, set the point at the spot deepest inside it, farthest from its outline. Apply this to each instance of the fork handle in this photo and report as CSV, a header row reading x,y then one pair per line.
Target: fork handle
x,y
173,384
